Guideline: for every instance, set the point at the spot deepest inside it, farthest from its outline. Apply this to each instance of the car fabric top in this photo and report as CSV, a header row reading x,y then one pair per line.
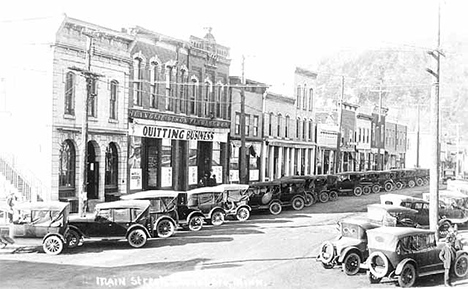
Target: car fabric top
x,y
139,204
151,194
42,206
386,238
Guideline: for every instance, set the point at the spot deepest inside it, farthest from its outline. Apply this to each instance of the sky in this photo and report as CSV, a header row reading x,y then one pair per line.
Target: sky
x,y
273,35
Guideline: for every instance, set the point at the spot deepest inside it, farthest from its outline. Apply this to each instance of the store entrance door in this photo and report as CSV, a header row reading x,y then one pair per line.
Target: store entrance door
x,y
92,187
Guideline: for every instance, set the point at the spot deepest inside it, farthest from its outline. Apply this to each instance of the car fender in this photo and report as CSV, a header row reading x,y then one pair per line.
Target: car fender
x,y
243,206
165,217
216,209
139,226
54,234
75,228
348,250
403,262
195,213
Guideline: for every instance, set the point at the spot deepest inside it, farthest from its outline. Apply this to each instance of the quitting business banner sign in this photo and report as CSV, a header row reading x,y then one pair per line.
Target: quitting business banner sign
x,y
182,133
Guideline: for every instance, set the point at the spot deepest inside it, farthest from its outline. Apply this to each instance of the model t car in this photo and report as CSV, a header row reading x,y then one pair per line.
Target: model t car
x,y
450,199
310,187
119,220
274,195
350,249
41,223
215,203
354,183
320,187
405,254
164,208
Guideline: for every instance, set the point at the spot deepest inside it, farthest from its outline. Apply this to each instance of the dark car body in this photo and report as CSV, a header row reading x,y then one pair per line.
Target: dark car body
x,y
406,254
39,223
354,183
124,219
405,178
321,187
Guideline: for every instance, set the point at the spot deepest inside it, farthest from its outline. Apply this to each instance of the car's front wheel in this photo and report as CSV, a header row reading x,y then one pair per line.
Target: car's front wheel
x,y
372,278
165,228
411,183
217,218
352,264
309,200
399,185
407,276
73,239
366,190
53,245
388,187
333,195
460,267
357,191
375,189
324,197
137,238
242,214
298,203
195,223
275,208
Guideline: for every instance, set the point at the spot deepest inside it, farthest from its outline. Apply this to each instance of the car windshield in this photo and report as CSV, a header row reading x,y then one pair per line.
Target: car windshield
x,y
350,231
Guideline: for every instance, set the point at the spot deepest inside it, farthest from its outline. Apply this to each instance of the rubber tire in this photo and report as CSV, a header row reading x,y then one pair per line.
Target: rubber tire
x,y
351,264
411,184
326,244
217,218
310,200
195,223
372,278
419,182
388,187
399,185
385,261
242,214
407,278
357,191
137,238
376,189
460,267
328,266
443,226
366,190
333,196
298,203
324,197
165,228
53,245
74,236
275,208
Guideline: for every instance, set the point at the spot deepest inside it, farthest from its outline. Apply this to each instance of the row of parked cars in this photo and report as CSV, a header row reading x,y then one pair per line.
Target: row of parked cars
x,y
393,241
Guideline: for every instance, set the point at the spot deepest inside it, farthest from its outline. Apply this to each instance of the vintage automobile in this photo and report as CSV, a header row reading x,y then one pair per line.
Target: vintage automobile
x,y
274,195
118,220
350,249
164,207
354,183
447,216
405,178
405,254
450,199
310,187
422,176
325,187
39,223
218,202
375,178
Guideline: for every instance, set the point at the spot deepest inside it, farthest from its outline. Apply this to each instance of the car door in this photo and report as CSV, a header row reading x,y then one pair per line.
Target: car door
x,y
121,222
101,227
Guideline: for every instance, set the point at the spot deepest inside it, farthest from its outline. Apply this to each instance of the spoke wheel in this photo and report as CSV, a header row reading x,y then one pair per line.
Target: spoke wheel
x,y
461,266
165,228
407,276
309,200
242,214
388,187
399,185
351,264
324,197
333,195
195,223
376,189
357,191
419,182
372,278
366,190
53,245
298,204
411,183
73,239
137,238
217,218
275,208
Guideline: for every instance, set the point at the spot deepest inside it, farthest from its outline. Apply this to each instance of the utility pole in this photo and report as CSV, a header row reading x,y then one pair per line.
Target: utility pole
x,y
417,137
340,124
457,164
91,78
381,91
435,147
242,161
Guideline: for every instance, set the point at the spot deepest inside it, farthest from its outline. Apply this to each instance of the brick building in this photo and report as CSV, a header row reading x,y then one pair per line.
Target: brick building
x,y
395,145
363,141
327,142
378,139
47,134
179,110
348,160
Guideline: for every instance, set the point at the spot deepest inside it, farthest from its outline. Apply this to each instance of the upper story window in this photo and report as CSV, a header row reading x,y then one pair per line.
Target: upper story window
x,y
207,98
138,81
169,89
286,127
219,94
311,130
304,130
311,99
298,127
113,99
278,126
255,125
247,125
183,90
70,94
270,125
155,78
192,107
298,96
237,123
304,98
93,97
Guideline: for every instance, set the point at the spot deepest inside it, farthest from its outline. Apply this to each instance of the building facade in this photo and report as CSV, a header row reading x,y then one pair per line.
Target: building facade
x,y
179,109
348,161
378,140
327,142
363,141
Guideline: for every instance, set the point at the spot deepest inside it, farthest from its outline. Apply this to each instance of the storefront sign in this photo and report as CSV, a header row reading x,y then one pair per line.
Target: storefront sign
x,y
253,175
135,179
327,136
218,171
166,176
158,116
233,175
163,132
193,175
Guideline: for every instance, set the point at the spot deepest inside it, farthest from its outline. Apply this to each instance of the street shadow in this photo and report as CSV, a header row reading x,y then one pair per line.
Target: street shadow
x,y
224,230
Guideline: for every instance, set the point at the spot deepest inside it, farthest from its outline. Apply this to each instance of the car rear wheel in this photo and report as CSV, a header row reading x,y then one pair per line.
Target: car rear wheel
x,y
333,195
460,267
195,223
419,182
217,218
407,276
324,197
137,238
275,208
328,266
399,185
309,200
242,214
372,278
357,191
298,203
366,190
73,239
388,187
351,264
53,245
165,228
376,189
411,183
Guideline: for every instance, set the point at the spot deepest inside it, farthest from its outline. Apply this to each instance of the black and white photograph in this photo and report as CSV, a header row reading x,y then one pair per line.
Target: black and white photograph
x,y
233,144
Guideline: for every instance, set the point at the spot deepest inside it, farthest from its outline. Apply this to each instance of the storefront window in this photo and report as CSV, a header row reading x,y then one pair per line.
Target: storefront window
x,y
166,163
112,163
192,163
134,163
67,166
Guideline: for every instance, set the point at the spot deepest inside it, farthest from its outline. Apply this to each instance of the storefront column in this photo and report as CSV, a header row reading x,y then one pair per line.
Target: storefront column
x,y
292,172
299,162
224,155
263,162
286,162
279,165
306,160
271,162
331,167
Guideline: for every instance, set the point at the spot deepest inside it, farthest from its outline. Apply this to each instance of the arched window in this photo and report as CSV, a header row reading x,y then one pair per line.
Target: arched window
x,y
278,125
298,96
304,129
93,97
193,96
311,130
304,98
298,127
112,164
113,99
207,98
169,88
286,127
70,94
67,163
219,94
138,81
311,99
155,69
270,124
183,90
